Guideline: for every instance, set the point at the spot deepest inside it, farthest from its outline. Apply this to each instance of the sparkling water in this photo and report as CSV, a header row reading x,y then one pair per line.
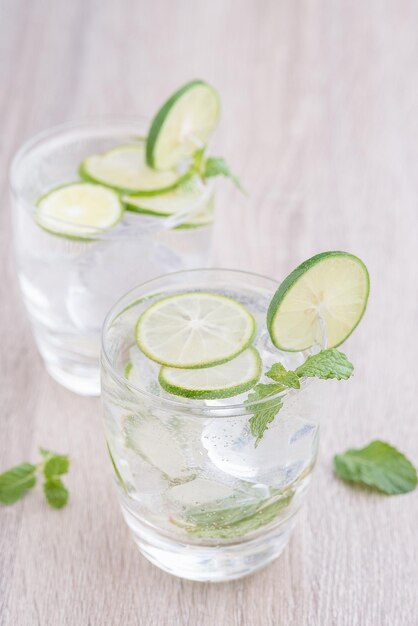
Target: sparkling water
x,y
69,285
188,469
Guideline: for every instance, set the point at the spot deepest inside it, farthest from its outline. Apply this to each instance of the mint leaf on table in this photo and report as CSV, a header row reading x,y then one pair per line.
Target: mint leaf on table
x,y
56,465
330,363
16,482
217,166
378,465
56,493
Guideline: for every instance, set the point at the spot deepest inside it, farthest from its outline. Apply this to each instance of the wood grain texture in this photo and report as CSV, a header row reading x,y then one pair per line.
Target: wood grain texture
x,y
320,103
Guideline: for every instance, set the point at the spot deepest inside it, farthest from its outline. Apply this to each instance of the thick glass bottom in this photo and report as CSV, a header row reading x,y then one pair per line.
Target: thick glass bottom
x,y
209,563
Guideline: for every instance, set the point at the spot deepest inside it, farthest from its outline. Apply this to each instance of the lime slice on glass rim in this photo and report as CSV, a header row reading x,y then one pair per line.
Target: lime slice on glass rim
x,y
194,329
124,169
220,381
78,210
329,289
182,125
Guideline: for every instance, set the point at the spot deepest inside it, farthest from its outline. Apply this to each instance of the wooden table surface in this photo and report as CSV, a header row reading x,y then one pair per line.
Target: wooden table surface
x,y
320,103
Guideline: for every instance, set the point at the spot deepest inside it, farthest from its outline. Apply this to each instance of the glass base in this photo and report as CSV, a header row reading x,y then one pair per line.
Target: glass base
x,y
82,380
205,563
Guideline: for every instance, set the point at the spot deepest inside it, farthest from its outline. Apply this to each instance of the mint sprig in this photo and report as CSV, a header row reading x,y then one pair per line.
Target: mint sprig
x,y
208,167
17,481
329,363
379,465
217,166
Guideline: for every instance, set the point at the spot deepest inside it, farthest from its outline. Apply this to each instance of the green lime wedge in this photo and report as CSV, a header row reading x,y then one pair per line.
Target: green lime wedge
x,y
220,381
124,169
329,290
194,329
182,125
78,210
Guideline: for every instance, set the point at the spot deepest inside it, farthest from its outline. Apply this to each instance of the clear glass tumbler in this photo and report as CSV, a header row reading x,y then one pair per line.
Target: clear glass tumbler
x,y
68,285
204,502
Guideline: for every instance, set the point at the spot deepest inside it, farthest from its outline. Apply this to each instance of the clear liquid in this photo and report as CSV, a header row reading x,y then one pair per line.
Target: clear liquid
x,y
68,286
191,472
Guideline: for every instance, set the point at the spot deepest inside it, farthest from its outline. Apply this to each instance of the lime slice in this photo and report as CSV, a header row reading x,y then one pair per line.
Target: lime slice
x,y
182,125
332,289
194,329
182,198
220,381
78,210
124,169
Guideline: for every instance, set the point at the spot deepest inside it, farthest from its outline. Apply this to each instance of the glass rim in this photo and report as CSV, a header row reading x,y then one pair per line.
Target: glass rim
x,y
105,125
204,411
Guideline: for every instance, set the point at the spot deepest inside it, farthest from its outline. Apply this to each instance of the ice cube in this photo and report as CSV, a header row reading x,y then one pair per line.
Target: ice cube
x,y
199,491
286,449
155,444
140,478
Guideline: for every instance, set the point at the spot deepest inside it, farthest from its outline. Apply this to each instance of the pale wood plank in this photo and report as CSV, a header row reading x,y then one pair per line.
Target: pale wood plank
x,y
320,102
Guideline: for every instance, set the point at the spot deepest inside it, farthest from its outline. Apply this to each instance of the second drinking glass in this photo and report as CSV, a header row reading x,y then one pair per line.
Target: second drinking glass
x,y
70,281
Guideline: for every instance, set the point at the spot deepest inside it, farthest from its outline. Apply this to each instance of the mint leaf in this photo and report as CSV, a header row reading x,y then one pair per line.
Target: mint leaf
x,y
56,493
261,419
265,413
16,482
330,363
198,158
251,518
262,391
56,465
378,465
217,166
280,374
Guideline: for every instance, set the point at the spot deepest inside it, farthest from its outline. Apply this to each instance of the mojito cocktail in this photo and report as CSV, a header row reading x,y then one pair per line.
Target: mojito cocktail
x,y
212,409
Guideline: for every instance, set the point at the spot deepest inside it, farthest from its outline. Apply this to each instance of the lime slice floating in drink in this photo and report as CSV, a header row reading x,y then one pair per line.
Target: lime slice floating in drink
x,y
184,197
78,210
124,169
332,287
194,329
220,381
182,125
202,218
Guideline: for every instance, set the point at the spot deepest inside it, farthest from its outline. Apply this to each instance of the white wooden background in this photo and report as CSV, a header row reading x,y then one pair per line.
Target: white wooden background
x,y
320,119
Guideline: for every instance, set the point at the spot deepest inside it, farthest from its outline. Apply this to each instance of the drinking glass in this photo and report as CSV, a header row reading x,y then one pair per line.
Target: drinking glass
x,y
69,284
202,500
